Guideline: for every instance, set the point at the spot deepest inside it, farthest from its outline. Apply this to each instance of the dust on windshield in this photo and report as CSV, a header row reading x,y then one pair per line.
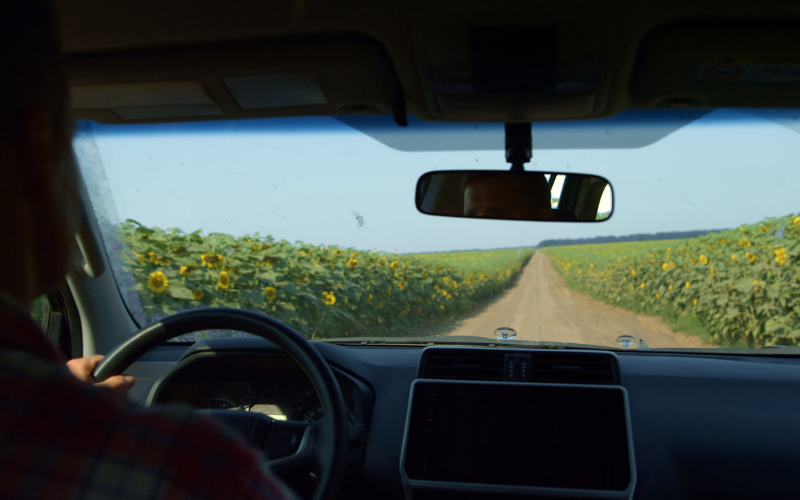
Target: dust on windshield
x,y
312,221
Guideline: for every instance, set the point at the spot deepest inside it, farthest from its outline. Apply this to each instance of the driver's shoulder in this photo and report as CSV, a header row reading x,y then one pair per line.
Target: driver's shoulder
x,y
103,437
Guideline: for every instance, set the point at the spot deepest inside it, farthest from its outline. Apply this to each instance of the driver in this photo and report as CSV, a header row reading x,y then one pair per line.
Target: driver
x,y
505,195
62,437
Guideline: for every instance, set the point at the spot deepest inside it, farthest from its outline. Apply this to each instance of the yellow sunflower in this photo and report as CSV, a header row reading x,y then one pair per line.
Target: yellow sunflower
x,y
703,259
394,264
157,282
329,298
198,294
224,280
271,292
211,259
186,270
352,262
780,256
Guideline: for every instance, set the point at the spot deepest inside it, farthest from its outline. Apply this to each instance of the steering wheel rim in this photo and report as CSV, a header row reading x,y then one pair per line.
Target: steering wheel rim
x,y
333,428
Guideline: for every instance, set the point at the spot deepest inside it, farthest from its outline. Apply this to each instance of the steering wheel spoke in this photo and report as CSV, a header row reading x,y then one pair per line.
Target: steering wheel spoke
x,y
322,445
290,444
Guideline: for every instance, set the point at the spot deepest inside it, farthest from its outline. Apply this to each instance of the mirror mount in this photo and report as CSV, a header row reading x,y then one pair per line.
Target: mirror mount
x,y
519,145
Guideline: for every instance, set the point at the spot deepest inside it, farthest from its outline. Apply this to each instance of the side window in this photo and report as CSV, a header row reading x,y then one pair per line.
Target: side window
x,y
556,186
40,311
58,318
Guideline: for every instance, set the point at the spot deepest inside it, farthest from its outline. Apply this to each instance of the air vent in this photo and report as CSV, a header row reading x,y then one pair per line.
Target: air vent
x,y
462,364
555,367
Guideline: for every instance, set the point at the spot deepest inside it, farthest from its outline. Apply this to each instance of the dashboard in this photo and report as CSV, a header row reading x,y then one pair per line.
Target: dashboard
x,y
272,385
700,425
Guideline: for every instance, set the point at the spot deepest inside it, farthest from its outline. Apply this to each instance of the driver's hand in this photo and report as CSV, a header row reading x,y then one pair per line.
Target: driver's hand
x,y
83,368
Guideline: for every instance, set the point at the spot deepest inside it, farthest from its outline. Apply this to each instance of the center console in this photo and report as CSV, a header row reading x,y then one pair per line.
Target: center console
x,y
541,431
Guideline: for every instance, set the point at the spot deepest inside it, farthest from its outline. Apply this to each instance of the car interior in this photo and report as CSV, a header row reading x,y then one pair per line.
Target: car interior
x,y
440,419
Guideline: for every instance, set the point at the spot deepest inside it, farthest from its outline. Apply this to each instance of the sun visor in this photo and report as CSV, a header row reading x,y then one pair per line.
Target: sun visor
x,y
275,91
325,76
719,65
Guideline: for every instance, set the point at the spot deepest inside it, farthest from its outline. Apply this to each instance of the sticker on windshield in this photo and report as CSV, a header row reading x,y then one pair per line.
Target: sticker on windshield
x,y
749,70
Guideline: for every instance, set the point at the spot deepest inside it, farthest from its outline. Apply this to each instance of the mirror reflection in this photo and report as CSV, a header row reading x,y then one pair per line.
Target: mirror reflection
x,y
532,196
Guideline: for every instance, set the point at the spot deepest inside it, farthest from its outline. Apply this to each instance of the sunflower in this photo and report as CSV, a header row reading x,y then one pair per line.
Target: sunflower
x,y
337,252
186,270
224,280
394,264
157,282
352,262
703,259
745,242
198,294
780,256
271,292
329,298
211,259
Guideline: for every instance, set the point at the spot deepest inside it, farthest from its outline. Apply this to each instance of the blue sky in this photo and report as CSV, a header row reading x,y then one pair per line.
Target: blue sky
x,y
310,178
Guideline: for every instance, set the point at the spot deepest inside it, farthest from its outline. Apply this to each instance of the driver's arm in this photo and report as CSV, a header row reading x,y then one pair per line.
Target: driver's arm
x,y
83,368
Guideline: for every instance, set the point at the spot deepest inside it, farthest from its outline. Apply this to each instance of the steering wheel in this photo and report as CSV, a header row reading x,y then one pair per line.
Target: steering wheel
x,y
323,445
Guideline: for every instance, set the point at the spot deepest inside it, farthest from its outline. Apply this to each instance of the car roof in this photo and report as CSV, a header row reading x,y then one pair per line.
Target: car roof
x,y
502,61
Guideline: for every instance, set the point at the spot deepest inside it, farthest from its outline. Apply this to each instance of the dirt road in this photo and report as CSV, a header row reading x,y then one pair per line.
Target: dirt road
x,y
542,307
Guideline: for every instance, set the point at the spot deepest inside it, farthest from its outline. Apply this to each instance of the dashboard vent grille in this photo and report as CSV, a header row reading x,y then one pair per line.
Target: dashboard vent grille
x,y
556,367
462,364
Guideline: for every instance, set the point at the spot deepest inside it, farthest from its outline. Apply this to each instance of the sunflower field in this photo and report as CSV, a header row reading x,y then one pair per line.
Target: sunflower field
x,y
323,292
743,284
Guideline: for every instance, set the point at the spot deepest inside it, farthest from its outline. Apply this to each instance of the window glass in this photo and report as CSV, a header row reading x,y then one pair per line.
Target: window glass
x,y
312,221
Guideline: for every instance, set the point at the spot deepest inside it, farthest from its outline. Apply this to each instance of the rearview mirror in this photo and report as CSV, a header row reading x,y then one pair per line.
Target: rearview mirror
x,y
510,195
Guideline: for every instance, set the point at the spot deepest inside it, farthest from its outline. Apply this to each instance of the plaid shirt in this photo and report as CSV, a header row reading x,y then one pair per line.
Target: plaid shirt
x,y
61,438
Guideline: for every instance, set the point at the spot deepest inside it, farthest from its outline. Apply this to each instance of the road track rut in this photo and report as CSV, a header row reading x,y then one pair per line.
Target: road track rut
x,y
541,307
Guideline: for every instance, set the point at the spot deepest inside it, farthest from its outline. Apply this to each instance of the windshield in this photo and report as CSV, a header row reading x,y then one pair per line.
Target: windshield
x,y
313,221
